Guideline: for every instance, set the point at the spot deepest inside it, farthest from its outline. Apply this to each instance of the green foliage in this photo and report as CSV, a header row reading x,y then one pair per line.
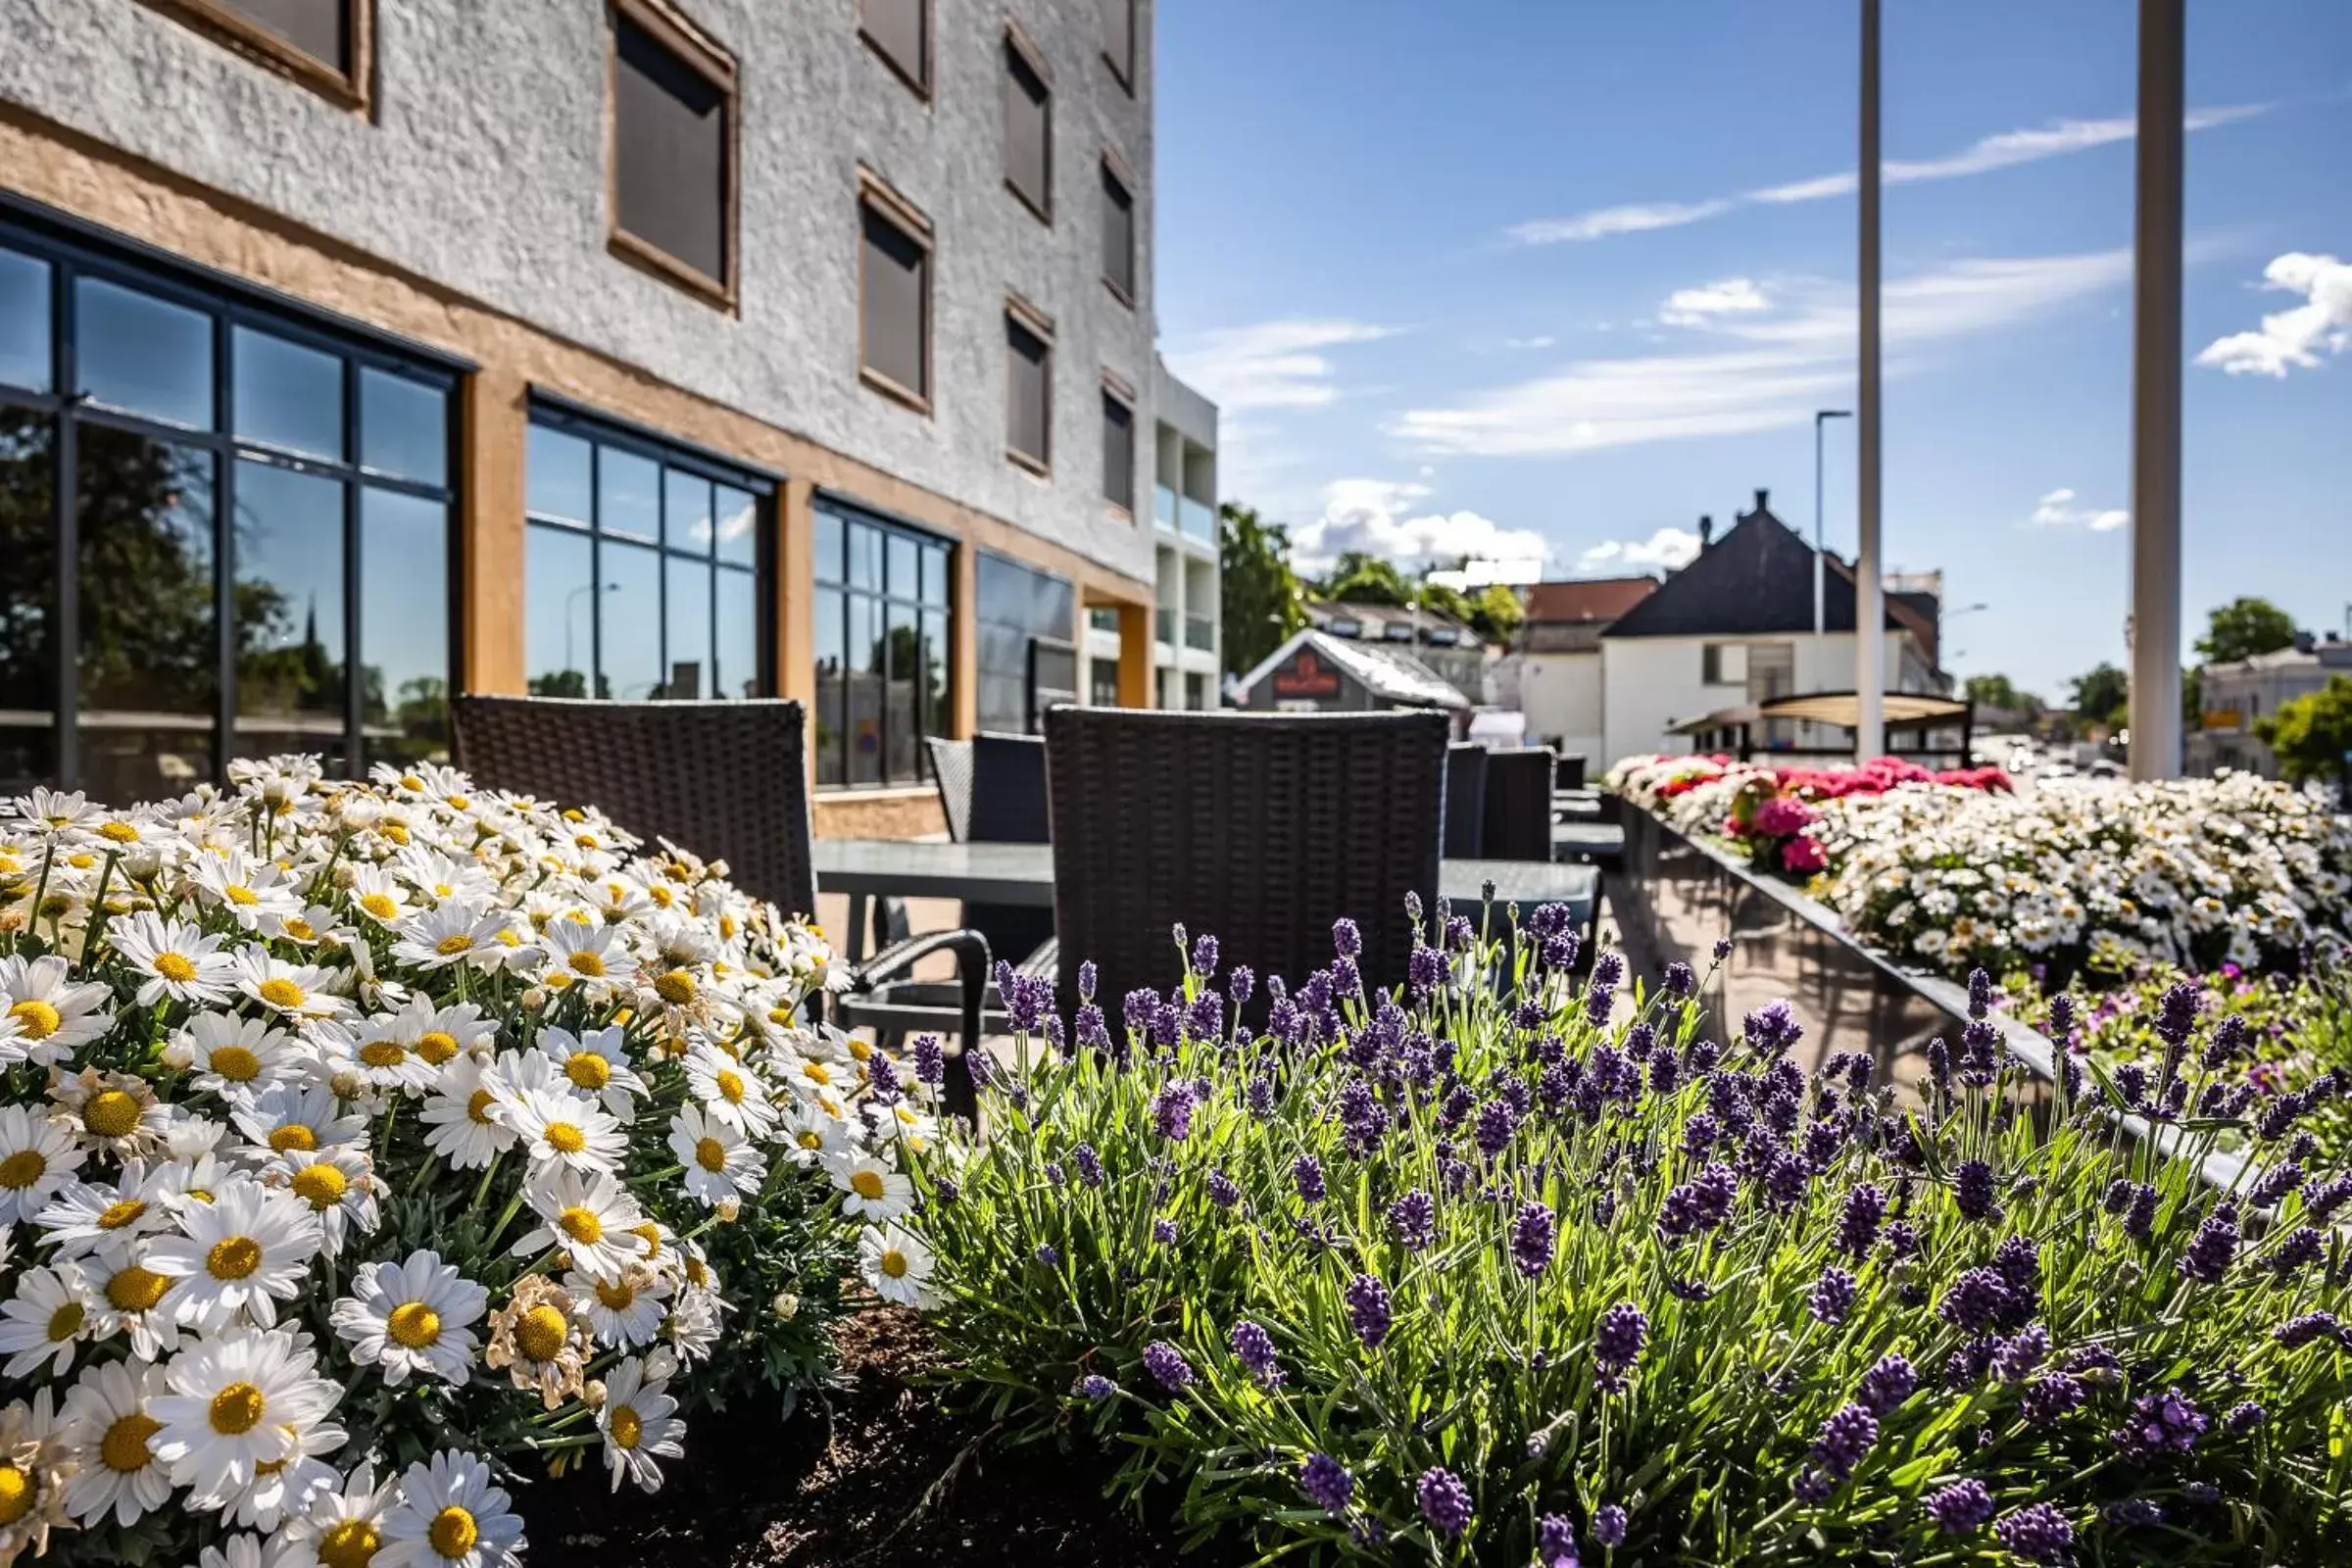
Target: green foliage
x,y
2101,695
1058,1270
1998,691
2312,735
2243,627
1360,577
1259,596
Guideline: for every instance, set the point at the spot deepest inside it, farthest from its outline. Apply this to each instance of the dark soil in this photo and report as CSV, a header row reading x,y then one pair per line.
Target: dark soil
x,y
881,1469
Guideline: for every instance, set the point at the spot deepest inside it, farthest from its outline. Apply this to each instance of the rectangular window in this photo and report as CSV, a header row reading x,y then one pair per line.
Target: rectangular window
x,y
643,574
1723,664
324,44
1118,450
882,601
248,514
1028,126
900,31
894,296
1118,40
1118,233
1016,608
673,150
1028,387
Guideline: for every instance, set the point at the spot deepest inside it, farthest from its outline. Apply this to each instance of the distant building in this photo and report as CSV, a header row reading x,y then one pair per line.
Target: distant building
x,y
2232,695
1318,673
1430,637
1553,675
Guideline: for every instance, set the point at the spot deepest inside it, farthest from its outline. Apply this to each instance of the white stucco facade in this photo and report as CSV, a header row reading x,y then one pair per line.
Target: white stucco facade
x,y
1648,683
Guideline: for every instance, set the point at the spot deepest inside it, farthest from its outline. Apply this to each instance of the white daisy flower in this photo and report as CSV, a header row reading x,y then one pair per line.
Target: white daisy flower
x,y
111,1113
582,952
83,1217
242,1551
339,1185
105,1419
640,1423
898,1265
254,893
597,1064
344,1528
561,1128
586,1215
870,1188
379,896
298,991
287,1489
236,1057
460,1116
34,1466
237,1403
132,1301
179,959
450,1516
412,1317
285,1118
734,1092
624,1312
715,1161
243,1253
456,931
36,1156
45,1320
812,1134
45,1014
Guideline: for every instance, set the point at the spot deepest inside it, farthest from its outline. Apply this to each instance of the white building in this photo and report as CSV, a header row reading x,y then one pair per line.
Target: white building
x,y
1553,677
2235,694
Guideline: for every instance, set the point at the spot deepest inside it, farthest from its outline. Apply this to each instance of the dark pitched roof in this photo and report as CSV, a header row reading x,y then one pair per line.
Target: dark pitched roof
x,y
1756,580
1603,599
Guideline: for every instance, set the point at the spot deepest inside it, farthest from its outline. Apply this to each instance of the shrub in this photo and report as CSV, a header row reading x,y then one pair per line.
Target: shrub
x,y
364,1146
1483,1272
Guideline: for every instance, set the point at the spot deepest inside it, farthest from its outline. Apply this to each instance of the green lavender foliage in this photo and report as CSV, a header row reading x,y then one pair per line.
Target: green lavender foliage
x,y
1050,1281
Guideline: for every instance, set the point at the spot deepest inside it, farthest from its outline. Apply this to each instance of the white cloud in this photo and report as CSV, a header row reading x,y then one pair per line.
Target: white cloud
x,y
1374,516
2003,149
1540,341
2297,337
1668,548
1688,307
1760,369
2059,509
1271,364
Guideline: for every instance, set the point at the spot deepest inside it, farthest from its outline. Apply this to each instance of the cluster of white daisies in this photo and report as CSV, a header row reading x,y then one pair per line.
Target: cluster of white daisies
x,y
358,1142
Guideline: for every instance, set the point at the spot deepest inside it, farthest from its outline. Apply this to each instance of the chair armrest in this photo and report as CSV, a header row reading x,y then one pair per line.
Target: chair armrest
x,y
971,965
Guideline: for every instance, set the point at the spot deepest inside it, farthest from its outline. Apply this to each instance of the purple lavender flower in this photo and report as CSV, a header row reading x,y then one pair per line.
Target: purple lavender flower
x,y
1086,980
1167,1364
2322,1198
1699,1134
2139,1211
1903,1239
1961,1508
1939,1065
1832,1297
1609,969
1887,1384
1172,1112
1426,970
2229,1042
1498,1121
1205,955
1699,1204
1980,1053
1665,1070
1094,1386
1089,1163
1046,1256
2050,1397
1092,1032
1531,1239
2176,1014
2019,1259
1977,1301
2037,1533
2213,1248
1413,1220
1254,1347
1609,1525
1844,1439
1617,1340
1787,1179
2132,1083
2062,1016
930,1060
1555,1542
1139,1008
1369,1309
2297,1331
1679,981
2298,1249
1980,993
1054,1173
1163,1231
2244,1417
2277,1182
2131,1513
1560,952
1241,984
1772,1028
2160,1424
1326,1483
1345,939
1599,1001
2021,1357
1444,1501
1223,1189
1858,1222
1973,1192
1306,1172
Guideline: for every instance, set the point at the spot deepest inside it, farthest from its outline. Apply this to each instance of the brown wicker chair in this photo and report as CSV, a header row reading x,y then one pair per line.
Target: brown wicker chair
x,y
1518,815
1465,800
1260,830
722,780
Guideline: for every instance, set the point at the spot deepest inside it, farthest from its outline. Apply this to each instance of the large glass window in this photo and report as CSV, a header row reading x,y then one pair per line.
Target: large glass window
x,y
881,648
1015,608
642,575
246,511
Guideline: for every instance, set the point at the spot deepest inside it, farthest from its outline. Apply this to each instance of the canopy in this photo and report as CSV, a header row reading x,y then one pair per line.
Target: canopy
x,y
1907,709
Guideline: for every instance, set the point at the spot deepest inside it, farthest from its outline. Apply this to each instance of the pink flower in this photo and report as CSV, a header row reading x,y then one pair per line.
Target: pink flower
x,y
1802,855
1782,815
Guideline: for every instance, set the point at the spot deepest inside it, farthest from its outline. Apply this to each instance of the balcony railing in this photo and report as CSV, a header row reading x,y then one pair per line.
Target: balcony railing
x,y
1163,507
1197,519
1201,632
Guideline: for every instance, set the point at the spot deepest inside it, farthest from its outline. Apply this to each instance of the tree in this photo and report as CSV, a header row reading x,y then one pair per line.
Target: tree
x,y
1999,691
2243,627
1360,577
2312,735
2102,695
1259,595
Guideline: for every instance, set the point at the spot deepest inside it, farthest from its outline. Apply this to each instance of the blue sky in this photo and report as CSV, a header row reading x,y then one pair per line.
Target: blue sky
x,y
1522,275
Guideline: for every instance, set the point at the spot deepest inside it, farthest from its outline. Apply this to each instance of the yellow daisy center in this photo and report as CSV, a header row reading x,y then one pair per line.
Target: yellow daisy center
x,y
653,1236
414,1324
540,1333
459,802
710,1155
625,1426
118,832
816,1072
675,987
730,1086
383,1054
239,893
23,1169
136,1289
349,1543
124,1448
300,930
236,1063
111,1113
233,1257
65,1322
384,906
281,992
120,1212
177,967
809,1138
452,1531
16,1493
583,1225
892,1262
478,1108
36,1018
587,963
293,1136
616,1298
448,946
436,1045
868,1183
320,1185
236,1409
564,1138
588,1070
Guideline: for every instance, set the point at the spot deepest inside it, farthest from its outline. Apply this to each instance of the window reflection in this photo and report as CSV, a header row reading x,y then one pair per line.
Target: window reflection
x,y
881,635
24,357
736,646
404,427
142,355
288,537
832,679
285,395
28,599
404,626
558,622
687,632
628,628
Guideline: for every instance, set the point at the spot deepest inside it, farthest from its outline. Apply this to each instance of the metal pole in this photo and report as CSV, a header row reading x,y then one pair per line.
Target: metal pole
x,y
1820,563
2156,397
1870,609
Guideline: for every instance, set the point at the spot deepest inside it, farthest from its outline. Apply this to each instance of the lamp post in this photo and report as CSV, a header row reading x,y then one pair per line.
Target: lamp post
x,y
1870,591
2156,396
1820,571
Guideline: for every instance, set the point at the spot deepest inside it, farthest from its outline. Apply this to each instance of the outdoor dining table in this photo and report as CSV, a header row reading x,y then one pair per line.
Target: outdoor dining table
x,y
1023,873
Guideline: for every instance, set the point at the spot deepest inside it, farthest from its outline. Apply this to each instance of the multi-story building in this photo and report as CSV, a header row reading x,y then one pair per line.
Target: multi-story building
x,y
2233,696
1186,613
355,352
1557,664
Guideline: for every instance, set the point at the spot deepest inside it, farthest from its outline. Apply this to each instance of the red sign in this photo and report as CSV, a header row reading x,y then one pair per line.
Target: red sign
x,y
1306,676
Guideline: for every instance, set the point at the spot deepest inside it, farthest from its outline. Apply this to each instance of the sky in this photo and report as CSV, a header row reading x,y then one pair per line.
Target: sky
x,y
1550,279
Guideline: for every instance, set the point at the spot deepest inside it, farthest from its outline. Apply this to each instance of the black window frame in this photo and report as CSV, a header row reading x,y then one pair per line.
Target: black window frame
x,y
600,430
834,578
1062,634
74,251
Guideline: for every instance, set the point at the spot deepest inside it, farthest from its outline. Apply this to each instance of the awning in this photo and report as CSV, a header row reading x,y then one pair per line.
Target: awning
x,y
1910,709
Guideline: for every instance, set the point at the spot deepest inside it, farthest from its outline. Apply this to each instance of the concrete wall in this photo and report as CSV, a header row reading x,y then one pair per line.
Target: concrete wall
x,y
1560,695
480,166
1649,682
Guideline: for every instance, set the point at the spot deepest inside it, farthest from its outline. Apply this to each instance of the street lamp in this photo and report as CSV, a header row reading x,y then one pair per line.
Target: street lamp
x,y
569,599
1819,613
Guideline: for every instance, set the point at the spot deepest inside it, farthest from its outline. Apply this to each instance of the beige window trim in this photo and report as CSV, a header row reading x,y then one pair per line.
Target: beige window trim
x,y
1118,170
1040,324
873,191
922,88
702,55
1034,58
265,48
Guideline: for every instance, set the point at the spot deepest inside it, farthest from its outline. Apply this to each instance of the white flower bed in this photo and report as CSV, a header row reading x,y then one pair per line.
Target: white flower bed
x,y
362,1145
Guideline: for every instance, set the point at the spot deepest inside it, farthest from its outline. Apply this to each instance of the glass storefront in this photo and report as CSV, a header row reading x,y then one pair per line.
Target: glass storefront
x,y
882,598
